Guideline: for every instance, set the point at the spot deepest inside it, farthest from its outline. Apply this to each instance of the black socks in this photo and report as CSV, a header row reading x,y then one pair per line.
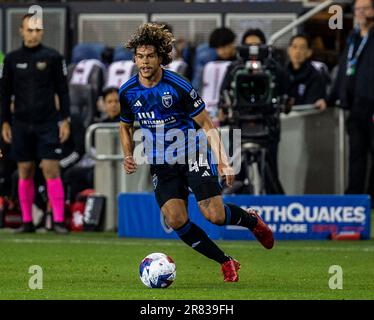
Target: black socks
x,y
196,238
238,217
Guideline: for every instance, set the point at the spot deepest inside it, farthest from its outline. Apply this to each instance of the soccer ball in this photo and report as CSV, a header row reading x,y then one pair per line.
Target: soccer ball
x,y
157,270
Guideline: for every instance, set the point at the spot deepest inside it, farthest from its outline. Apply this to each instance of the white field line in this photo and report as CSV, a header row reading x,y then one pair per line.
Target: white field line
x,y
127,243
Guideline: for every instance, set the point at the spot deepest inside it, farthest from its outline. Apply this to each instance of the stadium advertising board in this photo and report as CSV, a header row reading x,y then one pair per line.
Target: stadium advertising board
x,y
290,217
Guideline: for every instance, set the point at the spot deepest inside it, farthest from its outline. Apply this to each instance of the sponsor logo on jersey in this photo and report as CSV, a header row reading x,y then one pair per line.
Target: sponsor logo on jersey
x,y
198,103
146,115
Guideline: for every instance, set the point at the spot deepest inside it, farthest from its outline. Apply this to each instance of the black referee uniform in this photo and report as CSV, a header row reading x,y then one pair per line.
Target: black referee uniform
x,y
31,77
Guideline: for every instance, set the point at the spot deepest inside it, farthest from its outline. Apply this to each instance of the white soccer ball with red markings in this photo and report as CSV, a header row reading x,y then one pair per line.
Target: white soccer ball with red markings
x,y
157,270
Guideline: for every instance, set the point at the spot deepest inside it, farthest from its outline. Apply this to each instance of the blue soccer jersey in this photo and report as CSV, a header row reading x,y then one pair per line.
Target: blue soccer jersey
x,y
165,113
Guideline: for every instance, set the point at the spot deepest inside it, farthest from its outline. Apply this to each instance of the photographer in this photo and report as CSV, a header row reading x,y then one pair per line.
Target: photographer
x,y
256,38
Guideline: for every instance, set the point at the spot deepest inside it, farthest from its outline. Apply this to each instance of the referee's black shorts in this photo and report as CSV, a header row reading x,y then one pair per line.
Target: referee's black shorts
x,y
31,142
172,182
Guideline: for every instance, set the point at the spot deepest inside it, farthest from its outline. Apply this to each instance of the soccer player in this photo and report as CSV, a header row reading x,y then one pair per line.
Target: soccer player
x,y
159,98
33,74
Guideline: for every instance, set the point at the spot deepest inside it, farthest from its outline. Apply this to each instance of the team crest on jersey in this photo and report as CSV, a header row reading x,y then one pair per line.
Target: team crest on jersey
x,y
193,94
41,65
167,100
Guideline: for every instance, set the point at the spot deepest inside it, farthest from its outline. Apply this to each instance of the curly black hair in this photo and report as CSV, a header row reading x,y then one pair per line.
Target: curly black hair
x,y
153,34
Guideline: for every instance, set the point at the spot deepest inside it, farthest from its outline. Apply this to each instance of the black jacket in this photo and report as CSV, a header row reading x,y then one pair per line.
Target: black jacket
x,y
306,85
33,76
361,102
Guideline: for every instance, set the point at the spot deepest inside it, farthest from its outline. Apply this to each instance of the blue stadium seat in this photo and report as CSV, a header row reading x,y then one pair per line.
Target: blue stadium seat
x,y
121,53
84,51
203,55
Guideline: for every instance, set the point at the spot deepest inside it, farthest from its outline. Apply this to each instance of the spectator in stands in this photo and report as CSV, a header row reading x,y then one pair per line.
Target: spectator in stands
x,y
221,46
305,84
354,84
222,51
81,175
111,105
33,75
223,41
255,37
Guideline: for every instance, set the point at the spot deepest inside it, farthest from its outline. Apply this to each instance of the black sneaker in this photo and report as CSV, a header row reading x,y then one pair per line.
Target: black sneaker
x,y
59,227
27,227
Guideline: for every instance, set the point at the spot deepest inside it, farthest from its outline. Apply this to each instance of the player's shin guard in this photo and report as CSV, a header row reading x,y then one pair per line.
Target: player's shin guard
x,y
26,195
55,190
239,217
198,240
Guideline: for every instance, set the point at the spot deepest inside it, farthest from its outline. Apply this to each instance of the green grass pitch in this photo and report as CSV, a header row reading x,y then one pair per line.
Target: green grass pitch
x,y
103,266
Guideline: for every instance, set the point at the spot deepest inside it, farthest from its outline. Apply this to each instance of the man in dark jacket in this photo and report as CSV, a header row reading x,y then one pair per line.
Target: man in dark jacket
x,y
34,76
354,88
305,84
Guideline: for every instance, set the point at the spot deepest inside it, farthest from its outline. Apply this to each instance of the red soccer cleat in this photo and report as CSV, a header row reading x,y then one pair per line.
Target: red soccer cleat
x,y
229,270
262,232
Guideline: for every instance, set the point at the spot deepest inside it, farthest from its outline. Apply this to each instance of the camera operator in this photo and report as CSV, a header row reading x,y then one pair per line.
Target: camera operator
x,y
256,38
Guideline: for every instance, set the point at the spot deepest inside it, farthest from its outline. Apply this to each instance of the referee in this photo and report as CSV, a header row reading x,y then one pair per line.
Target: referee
x,y
30,79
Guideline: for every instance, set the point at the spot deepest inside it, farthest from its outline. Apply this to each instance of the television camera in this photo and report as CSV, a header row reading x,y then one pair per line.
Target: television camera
x,y
253,105
253,102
